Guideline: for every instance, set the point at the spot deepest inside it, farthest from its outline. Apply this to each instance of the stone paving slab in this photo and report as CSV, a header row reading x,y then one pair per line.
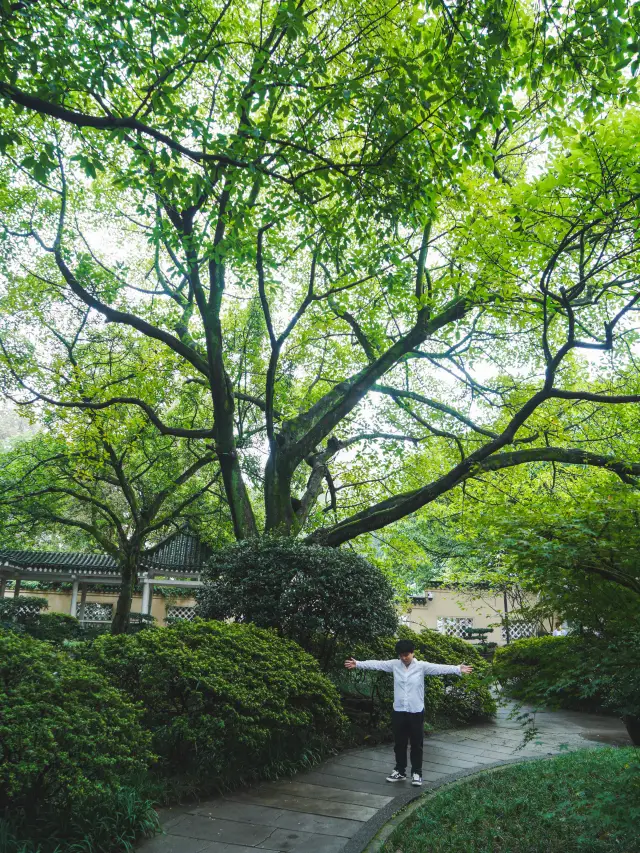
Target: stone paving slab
x,y
302,842
308,805
339,805
228,810
226,831
358,798
318,824
319,778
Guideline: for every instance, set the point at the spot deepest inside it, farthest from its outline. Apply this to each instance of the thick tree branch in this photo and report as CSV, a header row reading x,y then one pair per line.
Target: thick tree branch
x,y
399,506
306,431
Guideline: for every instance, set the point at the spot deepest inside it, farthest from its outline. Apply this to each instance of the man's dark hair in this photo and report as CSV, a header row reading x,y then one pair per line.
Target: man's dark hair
x,y
404,646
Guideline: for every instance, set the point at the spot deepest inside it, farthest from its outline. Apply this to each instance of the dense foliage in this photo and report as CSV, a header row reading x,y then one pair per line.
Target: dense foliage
x,y
357,236
544,670
582,672
587,801
318,597
224,703
24,614
72,753
449,700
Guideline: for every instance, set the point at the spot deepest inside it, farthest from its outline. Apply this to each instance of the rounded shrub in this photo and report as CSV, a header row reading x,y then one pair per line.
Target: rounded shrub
x,y
224,702
314,595
71,752
55,627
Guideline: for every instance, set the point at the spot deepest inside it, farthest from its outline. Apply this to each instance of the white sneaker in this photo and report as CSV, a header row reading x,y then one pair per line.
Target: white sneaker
x,y
416,779
396,777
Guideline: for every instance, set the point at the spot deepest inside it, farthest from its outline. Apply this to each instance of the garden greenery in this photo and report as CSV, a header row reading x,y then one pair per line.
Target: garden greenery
x,y
224,703
587,801
24,615
320,597
585,673
72,751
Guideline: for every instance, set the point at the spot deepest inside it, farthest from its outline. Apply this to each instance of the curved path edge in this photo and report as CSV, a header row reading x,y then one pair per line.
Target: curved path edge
x,y
373,835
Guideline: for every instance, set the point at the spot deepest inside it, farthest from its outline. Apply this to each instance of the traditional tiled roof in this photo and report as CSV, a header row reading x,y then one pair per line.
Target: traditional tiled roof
x,y
183,555
185,550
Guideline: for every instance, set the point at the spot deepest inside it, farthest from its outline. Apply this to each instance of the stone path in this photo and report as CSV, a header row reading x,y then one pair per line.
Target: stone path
x,y
340,805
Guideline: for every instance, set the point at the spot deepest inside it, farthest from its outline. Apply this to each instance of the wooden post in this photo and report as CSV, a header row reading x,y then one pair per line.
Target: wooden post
x,y
83,601
3,586
16,589
506,618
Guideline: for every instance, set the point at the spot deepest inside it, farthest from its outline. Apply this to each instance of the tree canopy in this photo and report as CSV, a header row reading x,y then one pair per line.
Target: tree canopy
x,y
370,245
97,481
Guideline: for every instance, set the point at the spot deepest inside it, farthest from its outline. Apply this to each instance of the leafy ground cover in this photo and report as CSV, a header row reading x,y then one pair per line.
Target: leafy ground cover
x,y
588,801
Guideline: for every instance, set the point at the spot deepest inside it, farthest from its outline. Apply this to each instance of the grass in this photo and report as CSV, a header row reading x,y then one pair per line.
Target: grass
x,y
587,801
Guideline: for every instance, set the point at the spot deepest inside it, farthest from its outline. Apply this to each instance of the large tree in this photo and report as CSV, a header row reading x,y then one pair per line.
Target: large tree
x,y
326,217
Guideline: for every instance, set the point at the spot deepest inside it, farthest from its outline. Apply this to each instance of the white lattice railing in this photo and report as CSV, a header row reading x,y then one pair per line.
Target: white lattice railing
x,y
520,630
454,626
180,612
94,611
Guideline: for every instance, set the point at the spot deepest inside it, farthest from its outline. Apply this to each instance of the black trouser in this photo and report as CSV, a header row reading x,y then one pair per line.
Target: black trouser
x,y
408,728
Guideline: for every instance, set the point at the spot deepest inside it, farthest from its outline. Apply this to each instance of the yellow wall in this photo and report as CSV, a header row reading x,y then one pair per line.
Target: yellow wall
x,y
60,602
484,610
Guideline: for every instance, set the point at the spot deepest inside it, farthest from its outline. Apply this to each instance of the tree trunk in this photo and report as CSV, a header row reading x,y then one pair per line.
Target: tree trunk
x,y
279,512
129,576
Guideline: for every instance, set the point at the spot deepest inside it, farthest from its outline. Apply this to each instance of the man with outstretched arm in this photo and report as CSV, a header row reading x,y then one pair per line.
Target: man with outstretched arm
x,y
408,703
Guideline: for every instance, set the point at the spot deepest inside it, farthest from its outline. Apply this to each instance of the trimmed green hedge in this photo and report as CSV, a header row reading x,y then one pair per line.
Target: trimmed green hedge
x,y
449,700
71,750
225,703
24,615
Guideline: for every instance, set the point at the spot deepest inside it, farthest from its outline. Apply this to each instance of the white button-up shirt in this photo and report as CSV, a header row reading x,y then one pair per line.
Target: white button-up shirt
x,y
408,681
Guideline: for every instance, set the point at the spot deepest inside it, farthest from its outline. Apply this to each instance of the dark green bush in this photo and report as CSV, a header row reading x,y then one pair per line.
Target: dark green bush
x,y
615,668
71,748
546,671
313,595
24,614
18,613
583,673
449,700
54,627
224,702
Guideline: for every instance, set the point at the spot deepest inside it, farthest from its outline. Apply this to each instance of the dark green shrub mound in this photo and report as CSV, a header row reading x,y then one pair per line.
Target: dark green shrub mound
x,y
71,746
449,700
17,613
224,702
316,596
24,614
543,670
55,627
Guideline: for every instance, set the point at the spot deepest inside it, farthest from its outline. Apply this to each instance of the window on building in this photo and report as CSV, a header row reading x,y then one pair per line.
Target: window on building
x,y
453,626
180,612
